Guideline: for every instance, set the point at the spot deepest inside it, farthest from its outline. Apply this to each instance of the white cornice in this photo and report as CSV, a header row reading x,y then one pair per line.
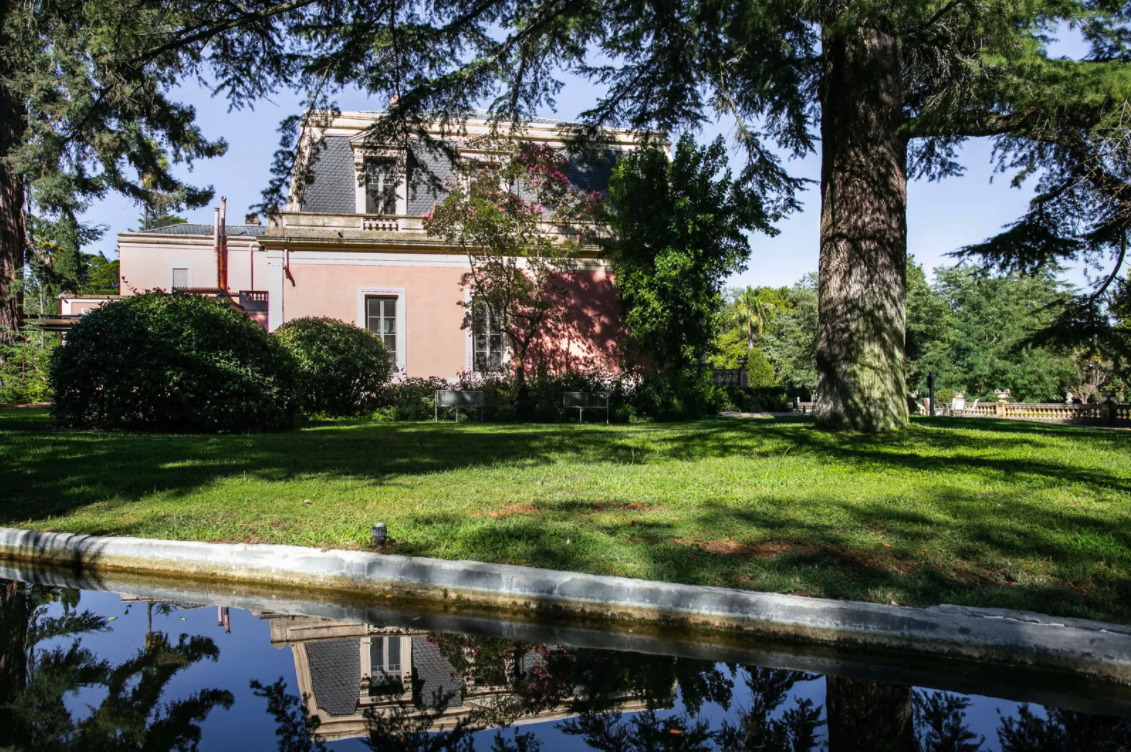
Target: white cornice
x,y
352,124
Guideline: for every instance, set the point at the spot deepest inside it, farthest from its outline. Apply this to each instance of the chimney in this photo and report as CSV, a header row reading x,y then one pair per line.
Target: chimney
x,y
223,243
251,219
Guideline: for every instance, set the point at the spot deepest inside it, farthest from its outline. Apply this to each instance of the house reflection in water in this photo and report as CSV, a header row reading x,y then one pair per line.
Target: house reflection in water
x,y
348,670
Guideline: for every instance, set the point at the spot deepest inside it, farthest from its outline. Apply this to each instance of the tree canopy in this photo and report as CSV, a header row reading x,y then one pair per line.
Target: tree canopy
x,y
976,330
677,235
886,91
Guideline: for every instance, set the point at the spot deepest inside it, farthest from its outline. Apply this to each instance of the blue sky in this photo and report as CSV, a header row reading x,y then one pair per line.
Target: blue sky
x,y
941,216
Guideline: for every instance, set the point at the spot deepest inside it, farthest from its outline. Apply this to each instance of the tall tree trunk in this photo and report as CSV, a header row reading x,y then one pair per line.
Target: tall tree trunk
x,y
13,654
862,313
869,716
11,205
521,401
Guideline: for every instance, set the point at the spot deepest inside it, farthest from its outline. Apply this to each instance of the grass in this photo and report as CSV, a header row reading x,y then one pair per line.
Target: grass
x,y
976,512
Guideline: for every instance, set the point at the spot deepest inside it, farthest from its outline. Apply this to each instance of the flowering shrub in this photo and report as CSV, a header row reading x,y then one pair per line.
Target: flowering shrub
x,y
408,399
497,213
631,398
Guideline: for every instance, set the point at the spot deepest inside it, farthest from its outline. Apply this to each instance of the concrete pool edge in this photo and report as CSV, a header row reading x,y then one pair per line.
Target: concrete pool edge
x,y
1009,637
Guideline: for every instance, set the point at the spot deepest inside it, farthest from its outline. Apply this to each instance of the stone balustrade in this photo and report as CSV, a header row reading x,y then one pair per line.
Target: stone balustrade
x,y
349,225
1051,412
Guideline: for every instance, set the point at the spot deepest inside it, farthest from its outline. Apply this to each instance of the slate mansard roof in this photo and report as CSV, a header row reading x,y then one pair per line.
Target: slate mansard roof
x,y
331,182
437,685
231,231
335,674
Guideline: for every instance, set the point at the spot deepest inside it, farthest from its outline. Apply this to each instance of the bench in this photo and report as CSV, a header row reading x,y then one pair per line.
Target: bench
x,y
805,408
454,399
582,401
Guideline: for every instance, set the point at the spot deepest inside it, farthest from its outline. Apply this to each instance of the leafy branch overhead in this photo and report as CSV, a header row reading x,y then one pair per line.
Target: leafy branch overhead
x,y
883,91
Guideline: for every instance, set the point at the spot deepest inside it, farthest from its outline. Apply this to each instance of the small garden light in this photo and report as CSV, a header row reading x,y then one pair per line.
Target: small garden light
x,y
380,533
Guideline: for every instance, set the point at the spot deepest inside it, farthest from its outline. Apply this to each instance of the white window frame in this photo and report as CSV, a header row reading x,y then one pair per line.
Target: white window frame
x,y
173,276
479,157
469,342
386,644
365,644
401,355
393,184
360,155
504,354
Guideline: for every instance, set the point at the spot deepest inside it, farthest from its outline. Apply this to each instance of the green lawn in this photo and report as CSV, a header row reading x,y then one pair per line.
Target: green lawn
x,y
975,512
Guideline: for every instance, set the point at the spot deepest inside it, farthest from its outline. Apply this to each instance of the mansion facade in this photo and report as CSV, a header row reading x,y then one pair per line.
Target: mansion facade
x,y
351,245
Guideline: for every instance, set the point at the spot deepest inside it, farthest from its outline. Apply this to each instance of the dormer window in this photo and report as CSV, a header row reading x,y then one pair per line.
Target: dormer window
x,y
381,179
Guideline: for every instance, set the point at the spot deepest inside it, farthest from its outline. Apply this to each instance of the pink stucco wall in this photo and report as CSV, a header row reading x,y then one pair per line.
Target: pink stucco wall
x,y
437,343
241,276
590,334
144,268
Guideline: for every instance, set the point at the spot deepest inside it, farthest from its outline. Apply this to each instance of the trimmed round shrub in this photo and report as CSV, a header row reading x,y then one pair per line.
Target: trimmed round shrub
x,y
341,368
172,362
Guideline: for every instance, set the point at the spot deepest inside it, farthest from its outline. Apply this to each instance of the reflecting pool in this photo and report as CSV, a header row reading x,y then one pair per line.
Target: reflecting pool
x,y
152,669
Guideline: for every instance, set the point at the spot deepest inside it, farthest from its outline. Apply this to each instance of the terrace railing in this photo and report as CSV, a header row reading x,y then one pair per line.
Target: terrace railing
x,y
730,376
253,300
1050,412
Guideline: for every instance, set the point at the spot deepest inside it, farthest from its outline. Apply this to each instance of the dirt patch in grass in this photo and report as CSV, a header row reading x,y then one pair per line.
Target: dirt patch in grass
x,y
511,510
618,506
773,549
761,550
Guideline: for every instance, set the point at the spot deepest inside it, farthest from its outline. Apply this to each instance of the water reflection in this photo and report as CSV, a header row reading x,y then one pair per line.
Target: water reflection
x,y
393,688
402,689
131,715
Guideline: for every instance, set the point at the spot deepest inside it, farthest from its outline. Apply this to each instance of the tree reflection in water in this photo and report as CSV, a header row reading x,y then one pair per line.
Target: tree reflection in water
x,y
631,702
34,682
1064,730
401,689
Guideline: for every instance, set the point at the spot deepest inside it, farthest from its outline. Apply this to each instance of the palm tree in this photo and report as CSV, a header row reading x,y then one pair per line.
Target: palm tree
x,y
753,310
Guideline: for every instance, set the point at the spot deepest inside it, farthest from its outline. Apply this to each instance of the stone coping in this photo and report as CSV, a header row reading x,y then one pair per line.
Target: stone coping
x,y
1015,638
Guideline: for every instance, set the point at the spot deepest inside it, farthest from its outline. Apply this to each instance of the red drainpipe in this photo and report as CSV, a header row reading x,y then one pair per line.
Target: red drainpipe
x,y
223,244
216,247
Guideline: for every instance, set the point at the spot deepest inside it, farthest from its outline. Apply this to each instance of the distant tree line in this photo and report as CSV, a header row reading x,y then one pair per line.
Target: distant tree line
x,y
976,330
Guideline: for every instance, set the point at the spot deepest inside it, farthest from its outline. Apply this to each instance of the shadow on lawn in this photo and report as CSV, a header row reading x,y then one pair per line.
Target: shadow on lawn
x,y
816,560
47,472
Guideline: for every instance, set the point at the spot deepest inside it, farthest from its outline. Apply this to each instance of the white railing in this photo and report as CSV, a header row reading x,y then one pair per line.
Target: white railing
x,y
381,224
1048,411
1051,411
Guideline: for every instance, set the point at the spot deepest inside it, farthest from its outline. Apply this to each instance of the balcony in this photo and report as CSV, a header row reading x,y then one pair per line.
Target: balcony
x,y
253,300
318,225
313,224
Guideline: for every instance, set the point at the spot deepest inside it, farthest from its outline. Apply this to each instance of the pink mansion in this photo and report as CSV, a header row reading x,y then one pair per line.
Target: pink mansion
x,y
353,248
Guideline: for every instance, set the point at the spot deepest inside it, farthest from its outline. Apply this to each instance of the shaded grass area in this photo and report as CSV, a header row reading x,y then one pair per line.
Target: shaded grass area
x,y
976,512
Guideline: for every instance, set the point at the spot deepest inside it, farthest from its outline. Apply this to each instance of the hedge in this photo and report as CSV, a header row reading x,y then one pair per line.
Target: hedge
x,y
172,362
